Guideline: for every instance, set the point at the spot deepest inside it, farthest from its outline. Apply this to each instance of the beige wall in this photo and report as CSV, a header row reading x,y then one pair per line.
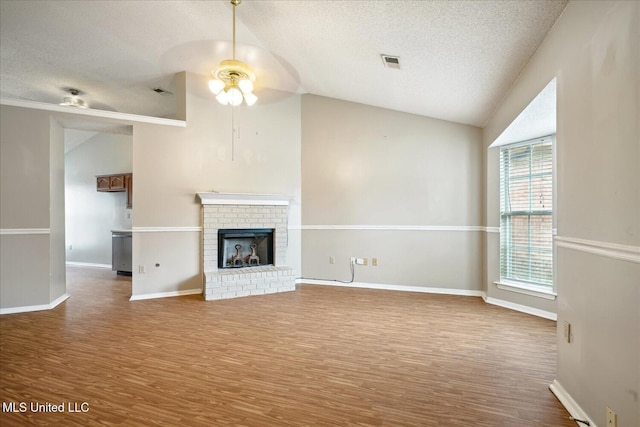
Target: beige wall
x,y
24,156
172,164
32,200
24,204
594,50
364,166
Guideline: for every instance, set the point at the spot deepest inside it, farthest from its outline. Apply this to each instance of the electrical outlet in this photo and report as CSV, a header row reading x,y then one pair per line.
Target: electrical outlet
x,y
332,260
365,261
360,261
612,419
567,331
142,269
374,262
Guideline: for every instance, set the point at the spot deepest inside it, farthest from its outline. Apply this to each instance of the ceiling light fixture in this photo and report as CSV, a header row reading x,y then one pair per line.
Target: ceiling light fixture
x,y
74,100
233,80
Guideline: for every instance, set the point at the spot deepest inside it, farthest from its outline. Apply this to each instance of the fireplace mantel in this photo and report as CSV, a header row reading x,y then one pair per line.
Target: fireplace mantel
x,y
244,199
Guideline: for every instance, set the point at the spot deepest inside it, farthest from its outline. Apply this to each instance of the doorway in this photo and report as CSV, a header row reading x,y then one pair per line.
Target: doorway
x,y
93,214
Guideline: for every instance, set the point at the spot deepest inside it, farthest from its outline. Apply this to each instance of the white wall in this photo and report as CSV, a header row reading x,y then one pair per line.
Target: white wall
x,y
370,168
91,215
594,51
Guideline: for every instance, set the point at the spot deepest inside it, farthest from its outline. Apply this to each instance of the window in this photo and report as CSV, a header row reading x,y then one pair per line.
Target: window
x,y
526,212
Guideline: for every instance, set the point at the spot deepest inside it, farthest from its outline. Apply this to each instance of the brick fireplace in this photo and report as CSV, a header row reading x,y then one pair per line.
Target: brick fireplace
x,y
222,211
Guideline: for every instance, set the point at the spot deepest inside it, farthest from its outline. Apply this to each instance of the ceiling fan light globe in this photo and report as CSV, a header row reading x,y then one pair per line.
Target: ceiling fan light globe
x,y
250,99
222,98
216,86
246,86
234,96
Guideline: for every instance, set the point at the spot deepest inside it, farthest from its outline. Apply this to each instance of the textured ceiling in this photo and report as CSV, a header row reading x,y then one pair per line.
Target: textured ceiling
x,y
458,58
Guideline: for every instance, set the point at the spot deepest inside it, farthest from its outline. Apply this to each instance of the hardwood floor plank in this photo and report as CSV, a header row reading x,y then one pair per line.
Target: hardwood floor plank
x,y
320,356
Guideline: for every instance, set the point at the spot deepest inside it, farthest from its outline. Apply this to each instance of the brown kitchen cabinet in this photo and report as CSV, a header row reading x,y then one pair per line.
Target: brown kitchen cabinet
x,y
128,185
117,182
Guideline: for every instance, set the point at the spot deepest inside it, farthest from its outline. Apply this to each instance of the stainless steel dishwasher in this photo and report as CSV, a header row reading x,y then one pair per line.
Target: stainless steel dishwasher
x,y
121,252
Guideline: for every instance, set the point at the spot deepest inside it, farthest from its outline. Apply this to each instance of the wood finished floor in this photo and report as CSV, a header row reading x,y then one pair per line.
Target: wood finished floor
x,y
320,356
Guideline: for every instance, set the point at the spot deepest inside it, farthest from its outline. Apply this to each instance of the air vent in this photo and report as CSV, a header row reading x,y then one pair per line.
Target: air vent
x,y
161,91
391,61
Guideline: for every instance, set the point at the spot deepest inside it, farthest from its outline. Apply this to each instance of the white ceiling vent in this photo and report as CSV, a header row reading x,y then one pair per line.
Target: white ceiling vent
x,y
391,61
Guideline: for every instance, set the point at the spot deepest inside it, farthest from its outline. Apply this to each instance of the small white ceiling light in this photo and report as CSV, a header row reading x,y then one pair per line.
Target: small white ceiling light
x,y
74,100
233,80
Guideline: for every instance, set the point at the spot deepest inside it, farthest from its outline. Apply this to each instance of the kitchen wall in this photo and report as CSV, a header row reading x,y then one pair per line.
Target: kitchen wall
x,y
91,215
594,51
402,188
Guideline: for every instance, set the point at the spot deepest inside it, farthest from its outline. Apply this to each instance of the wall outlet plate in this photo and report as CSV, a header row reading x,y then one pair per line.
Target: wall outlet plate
x,y
612,420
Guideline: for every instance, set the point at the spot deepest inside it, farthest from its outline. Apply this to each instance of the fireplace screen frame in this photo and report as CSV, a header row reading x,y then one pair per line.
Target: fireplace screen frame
x,y
265,250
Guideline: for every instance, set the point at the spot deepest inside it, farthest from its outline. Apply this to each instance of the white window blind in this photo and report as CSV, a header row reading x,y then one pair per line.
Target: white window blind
x,y
526,194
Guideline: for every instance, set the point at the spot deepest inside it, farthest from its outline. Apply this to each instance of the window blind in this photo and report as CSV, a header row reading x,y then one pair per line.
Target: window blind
x,y
526,195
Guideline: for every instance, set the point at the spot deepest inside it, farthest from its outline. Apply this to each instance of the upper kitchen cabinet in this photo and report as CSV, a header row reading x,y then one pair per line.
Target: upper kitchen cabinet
x,y
117,182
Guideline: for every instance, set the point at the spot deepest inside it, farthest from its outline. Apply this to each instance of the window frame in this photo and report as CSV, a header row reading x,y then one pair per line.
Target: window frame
x,y
542,290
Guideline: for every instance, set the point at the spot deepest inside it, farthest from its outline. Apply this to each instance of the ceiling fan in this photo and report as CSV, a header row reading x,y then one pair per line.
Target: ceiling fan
x,y
233,79
74,100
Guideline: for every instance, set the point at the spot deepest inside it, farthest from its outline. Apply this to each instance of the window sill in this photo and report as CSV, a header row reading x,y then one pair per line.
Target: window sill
x,y
532,290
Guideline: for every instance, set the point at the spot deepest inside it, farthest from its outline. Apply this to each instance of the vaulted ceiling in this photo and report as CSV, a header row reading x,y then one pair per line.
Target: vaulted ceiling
x,y
458,59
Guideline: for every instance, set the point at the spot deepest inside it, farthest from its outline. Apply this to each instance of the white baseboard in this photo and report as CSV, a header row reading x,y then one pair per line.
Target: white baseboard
x,y
388,287
165,294
88,264
28,308
521,308
569,404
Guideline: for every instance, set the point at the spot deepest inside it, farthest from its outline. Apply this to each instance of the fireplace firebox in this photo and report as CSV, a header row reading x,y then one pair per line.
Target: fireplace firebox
x,y
244,248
